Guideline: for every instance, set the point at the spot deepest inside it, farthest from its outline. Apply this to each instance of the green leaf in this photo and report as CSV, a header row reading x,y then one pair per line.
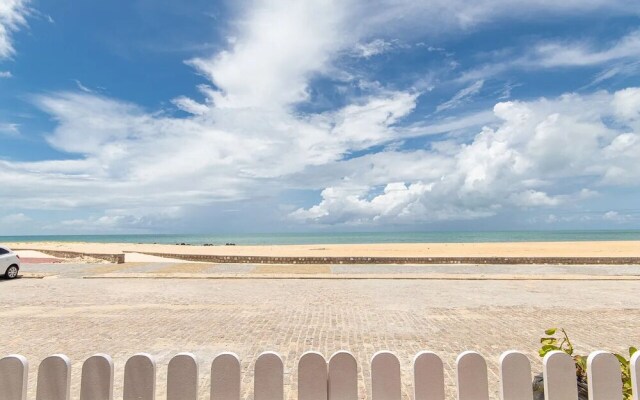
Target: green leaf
x,y
548,340
632,351
550,331
545,349
623,361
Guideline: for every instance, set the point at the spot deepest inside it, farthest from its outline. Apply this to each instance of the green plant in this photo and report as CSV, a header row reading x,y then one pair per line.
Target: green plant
x,y
562,343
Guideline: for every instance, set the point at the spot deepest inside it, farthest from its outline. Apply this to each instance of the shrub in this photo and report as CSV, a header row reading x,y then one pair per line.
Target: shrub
x,y
559,340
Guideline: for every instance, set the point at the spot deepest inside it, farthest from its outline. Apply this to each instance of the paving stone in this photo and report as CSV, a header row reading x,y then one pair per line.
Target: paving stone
x,y
121,317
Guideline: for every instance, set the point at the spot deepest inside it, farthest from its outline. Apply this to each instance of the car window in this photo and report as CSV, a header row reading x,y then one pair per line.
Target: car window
x,y
3,251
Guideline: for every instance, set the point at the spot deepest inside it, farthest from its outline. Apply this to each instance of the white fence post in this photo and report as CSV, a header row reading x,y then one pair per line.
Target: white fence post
x,y
54,378
515,376
604,376
317,379
140,378
428,376
559,376
312,377
14,370
343,376
182,377
268,381
472,377
225,377
385,376
635,375
96,382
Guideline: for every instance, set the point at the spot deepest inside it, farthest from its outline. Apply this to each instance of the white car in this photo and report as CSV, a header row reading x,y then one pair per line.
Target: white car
x,y
9,263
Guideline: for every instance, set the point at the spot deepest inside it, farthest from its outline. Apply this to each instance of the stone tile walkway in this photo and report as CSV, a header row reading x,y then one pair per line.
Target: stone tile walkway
x,y
77,270
79,317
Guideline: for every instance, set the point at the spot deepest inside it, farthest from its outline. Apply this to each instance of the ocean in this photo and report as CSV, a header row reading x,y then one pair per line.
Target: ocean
x,y
343,238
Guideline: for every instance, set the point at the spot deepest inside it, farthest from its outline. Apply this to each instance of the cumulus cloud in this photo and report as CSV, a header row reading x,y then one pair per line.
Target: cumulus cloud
x,y
270,61
615,216
133,158
6,74
525,161
244,138
17,218
12,18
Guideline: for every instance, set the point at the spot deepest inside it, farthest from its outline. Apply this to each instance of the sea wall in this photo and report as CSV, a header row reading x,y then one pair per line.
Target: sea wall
x,y
112,258
399,260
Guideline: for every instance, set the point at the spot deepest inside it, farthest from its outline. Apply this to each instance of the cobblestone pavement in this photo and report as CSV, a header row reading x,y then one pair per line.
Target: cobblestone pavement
x,y
80,317
79,270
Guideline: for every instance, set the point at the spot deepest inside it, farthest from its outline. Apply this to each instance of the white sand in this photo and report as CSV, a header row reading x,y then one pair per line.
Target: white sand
x,y
34,254
138,257
520,249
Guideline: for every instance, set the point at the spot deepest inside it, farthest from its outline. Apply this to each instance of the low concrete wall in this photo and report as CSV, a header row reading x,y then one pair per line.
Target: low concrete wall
x,y
400,260
112,258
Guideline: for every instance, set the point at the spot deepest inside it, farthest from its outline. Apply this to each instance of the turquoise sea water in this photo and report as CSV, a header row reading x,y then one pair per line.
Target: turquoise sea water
x,y
350,238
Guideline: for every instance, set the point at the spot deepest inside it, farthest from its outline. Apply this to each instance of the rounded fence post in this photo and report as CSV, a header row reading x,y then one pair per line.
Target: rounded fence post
x,y
635,375
14,370
559,376
96,382
140,378
603,376
428,376
312,377
515,376
472,377
343,376
54,378
268,381
182,377
225,377
385,376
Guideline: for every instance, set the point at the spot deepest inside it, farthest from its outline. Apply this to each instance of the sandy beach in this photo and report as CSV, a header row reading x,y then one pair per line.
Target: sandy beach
x,y
510,249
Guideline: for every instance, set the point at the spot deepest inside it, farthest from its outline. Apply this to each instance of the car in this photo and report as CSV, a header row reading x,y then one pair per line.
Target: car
x,y
9,263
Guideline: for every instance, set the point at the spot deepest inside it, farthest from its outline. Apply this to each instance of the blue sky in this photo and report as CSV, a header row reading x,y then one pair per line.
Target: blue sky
x,y
259,116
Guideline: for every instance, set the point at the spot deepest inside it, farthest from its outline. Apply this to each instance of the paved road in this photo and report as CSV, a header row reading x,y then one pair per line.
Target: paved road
x,y
79,317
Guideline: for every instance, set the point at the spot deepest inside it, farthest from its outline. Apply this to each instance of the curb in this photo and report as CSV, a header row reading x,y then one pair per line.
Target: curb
x,y
447,277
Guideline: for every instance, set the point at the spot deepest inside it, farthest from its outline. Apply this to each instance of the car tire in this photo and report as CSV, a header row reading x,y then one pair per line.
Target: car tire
x,y
11,272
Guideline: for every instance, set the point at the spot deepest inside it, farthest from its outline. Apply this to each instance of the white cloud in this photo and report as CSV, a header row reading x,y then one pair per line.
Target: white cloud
x,y
245,139
461,96
372,48
17,218
9,129
189,105
281,44
12,18
526,161
82,87
450,16
6,74
133,158
534,198
565,54
615,216
558,54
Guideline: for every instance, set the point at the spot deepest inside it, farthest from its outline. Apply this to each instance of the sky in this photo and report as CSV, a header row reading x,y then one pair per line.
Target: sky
x,y
147,116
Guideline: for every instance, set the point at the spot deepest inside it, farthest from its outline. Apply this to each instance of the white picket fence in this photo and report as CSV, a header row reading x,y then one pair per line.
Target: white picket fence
x,y
318,379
